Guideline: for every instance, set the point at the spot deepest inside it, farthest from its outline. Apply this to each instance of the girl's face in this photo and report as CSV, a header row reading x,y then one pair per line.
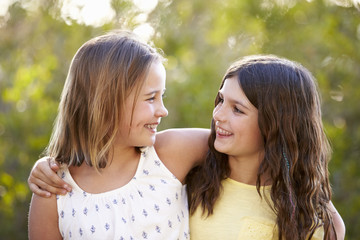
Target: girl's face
x,y
148,110
236,123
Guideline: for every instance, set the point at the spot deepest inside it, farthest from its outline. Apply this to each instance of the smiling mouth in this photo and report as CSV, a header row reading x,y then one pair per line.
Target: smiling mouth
x,y
222,132
151,126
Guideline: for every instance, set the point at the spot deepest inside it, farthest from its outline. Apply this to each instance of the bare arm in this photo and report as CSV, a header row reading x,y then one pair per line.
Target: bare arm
x,y
43,218
179,149
43,179
182,149
338,222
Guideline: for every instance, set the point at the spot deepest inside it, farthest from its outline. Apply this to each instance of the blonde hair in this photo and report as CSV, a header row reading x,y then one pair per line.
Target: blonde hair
x,y
102,74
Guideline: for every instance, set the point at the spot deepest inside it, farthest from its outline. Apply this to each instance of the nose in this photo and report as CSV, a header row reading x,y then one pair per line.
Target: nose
x,y
218,113
161,111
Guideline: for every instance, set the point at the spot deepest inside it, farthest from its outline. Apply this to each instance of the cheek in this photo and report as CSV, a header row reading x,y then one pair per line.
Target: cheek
x,y
125,121
258,139
124,128
140,113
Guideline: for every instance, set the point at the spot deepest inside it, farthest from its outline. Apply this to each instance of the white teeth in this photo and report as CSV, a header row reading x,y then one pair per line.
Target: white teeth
x,y
222,132
151,126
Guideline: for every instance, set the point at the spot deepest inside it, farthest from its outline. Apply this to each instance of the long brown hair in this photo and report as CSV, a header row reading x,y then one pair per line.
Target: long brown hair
x,y
102,74
297,150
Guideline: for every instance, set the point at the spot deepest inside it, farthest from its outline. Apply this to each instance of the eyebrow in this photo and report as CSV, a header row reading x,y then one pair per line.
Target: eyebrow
x,y
236,102
154,92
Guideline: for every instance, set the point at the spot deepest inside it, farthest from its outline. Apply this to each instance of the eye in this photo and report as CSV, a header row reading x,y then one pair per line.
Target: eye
x,y
237,110
220,99
151,99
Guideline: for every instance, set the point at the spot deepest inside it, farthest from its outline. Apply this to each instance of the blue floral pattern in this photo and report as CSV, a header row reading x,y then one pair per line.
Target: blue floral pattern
x,y
153,205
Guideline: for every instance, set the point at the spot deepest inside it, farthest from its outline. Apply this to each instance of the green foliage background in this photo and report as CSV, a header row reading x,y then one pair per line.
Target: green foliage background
x,y
200,39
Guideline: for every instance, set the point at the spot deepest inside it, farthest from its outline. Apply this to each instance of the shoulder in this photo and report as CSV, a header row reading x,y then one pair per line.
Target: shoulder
x,y
179,138
181,149
338,221
180,142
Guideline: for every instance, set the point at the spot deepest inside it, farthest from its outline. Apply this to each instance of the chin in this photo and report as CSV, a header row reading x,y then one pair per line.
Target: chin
x,y
150,142
218,148
222,149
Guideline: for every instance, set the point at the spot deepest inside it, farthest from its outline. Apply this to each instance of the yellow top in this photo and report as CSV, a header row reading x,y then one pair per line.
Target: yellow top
x,y
239,213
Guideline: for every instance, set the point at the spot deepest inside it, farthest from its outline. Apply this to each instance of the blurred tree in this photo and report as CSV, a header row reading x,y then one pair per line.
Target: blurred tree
x,y
200,39
36,49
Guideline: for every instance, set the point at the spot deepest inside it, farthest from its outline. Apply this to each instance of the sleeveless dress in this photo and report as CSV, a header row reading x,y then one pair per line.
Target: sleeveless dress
x,y
153,205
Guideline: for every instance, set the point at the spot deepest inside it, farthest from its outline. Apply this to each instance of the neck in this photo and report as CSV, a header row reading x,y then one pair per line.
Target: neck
x,y
119,170
245,170
120,158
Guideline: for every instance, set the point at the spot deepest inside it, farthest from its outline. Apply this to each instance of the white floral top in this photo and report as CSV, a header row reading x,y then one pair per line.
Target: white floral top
x,y
153,205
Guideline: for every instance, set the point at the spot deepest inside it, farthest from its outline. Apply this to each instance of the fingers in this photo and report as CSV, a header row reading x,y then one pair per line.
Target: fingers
x,y
46,173
40,187
43,179
53,164
38,191
54,182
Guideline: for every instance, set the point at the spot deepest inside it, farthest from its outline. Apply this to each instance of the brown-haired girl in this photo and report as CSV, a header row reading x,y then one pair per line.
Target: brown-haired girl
x,y
266,173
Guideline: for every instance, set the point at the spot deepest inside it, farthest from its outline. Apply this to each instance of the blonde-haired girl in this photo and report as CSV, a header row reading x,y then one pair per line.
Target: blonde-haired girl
x,y
103,138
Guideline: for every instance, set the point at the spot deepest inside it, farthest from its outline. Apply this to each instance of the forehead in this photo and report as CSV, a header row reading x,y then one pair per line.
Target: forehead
x,y
154,80
231,89
230,84
232,92
156,77
153,83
